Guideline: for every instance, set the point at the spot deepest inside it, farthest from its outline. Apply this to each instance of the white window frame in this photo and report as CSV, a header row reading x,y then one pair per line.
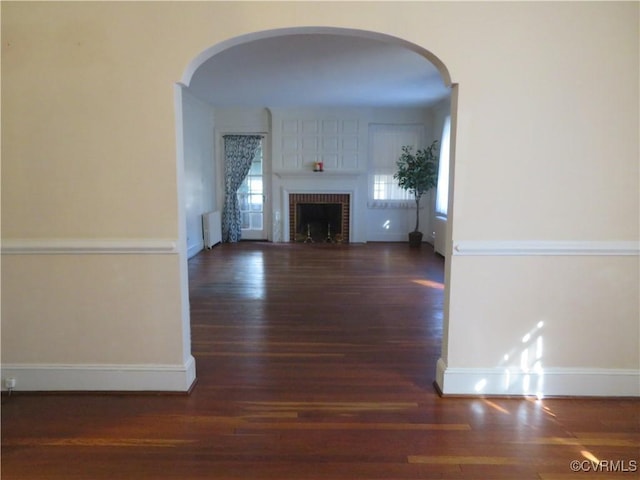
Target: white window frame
x,y
248,181
444,161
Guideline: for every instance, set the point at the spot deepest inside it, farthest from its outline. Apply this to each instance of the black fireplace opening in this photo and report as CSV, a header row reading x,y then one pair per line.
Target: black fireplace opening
x,y
318,222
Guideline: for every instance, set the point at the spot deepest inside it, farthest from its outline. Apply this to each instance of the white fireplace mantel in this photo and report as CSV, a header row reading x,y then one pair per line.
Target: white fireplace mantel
x,y
352,183
317,175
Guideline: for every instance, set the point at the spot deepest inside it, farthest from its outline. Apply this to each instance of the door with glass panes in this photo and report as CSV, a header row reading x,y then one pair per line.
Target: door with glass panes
x,y
251,197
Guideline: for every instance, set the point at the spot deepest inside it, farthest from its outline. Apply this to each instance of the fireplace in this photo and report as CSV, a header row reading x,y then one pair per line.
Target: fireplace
x,y
318,222
319,217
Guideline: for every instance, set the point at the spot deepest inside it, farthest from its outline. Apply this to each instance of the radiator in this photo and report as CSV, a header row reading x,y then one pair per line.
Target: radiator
x,y
211,229
440,232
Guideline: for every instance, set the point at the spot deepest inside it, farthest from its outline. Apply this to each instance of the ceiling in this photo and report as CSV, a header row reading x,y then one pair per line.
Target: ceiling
x,y
318,70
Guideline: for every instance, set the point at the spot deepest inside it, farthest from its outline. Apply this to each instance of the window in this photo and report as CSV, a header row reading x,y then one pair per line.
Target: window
x,y
251,196
385,147
442,189
385,187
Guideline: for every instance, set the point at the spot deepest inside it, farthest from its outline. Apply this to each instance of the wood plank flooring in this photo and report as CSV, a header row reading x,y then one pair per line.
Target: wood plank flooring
x,y
316,362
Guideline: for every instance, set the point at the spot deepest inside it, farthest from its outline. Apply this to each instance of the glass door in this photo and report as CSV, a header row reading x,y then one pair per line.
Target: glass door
x,y
251,197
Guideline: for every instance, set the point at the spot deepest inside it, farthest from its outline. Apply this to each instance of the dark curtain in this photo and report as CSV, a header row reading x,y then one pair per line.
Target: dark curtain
x,y
239,151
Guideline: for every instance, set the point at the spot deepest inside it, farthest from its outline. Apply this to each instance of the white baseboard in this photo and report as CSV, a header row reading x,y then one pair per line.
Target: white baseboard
x,y
389,237
194,249
111,378
547,382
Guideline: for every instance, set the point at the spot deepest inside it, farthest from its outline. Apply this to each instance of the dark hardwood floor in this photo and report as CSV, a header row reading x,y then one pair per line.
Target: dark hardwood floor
x,y
316,362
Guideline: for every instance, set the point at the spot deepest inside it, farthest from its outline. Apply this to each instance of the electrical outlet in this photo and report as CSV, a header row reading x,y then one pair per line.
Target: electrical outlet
x,y
10,383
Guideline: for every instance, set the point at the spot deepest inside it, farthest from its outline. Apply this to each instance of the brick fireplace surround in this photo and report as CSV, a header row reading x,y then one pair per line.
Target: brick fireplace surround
x,y
341,198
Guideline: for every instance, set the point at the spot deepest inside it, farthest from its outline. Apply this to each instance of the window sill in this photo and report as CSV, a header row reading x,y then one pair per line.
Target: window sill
x,y
384,204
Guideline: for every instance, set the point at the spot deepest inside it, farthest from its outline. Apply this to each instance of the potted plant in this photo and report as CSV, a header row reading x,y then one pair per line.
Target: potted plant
x,y
417,173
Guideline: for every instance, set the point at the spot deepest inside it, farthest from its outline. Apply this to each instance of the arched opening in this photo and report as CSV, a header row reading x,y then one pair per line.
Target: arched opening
x,y
279,215
347,32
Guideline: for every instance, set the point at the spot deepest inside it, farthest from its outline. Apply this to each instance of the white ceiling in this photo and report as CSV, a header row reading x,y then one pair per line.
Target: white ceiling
x,y
318,70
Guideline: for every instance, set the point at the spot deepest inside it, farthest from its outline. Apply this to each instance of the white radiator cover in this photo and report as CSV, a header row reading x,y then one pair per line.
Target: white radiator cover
x,y
440,232
211,229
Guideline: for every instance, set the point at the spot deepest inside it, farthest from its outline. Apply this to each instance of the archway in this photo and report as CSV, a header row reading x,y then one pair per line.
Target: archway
x,y
219,48
347,32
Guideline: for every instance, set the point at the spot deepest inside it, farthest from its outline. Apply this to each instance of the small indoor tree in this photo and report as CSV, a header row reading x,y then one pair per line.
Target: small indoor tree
x,y
417,173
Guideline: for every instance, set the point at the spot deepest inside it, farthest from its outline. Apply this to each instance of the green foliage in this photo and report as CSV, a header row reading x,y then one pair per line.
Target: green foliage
x,y
418,173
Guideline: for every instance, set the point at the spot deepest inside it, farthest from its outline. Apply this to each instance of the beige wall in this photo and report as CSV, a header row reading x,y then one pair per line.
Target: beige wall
x,y
90,309
547,150
585,304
